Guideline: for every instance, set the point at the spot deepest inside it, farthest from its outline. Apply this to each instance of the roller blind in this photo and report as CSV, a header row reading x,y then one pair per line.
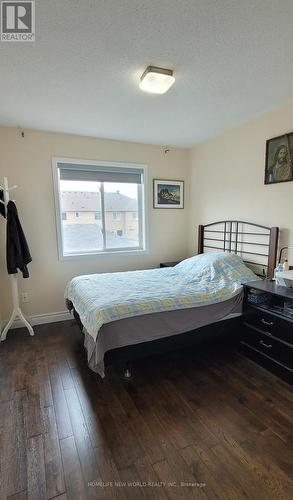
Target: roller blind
x,y
81,172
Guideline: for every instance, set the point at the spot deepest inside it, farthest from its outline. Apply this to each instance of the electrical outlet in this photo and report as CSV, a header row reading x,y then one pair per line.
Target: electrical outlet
x,y
24,296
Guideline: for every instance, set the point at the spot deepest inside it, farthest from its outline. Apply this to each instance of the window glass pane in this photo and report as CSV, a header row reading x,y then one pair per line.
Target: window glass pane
x,y
81,216
101,210
122,227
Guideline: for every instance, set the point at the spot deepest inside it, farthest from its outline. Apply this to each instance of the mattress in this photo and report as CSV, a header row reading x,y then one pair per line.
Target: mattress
x,y
202,280
149,327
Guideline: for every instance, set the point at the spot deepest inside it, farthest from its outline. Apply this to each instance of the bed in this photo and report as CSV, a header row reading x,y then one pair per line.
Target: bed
x,y
124,315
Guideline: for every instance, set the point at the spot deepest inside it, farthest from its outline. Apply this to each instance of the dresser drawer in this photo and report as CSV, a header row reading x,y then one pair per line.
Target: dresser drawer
x,y
270,324
269,363
269,345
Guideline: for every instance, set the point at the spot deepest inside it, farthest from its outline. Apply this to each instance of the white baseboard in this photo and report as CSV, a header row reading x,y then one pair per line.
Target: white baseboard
x,y
41,319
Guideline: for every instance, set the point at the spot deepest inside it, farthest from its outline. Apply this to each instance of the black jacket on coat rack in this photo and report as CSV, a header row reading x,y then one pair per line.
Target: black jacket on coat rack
x,y
17,250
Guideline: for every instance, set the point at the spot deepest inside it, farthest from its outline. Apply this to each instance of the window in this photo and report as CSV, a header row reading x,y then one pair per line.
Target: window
x,y
116,215
94,203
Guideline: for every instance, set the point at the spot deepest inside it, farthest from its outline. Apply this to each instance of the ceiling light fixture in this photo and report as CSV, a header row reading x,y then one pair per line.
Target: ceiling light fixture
x,y
156,80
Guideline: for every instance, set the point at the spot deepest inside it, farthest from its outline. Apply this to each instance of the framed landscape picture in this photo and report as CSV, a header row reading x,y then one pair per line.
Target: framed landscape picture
x,y
279,151
168,194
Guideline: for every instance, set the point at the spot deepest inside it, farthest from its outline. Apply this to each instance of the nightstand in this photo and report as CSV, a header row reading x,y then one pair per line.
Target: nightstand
x,y
169,264
267,326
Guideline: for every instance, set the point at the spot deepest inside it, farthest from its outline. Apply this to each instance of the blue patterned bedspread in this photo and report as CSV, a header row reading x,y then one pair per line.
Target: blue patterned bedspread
x,y
201,280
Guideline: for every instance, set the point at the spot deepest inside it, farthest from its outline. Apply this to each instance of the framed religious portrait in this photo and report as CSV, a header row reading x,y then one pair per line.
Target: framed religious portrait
x,y
279,154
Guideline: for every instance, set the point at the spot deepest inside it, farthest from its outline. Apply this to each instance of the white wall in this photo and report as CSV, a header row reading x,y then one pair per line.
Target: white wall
x,y
227,178
27,162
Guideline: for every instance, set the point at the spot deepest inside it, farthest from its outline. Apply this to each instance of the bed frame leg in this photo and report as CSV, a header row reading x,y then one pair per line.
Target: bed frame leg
x,y
127,372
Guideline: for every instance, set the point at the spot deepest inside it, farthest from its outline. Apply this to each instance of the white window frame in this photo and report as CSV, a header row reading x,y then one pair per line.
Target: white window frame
x,y
142,209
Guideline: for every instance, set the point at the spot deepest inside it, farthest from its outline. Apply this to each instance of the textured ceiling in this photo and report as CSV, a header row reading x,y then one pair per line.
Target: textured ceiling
x,y
232,60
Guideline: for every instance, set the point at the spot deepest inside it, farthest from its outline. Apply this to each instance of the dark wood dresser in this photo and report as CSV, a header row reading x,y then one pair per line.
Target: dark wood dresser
x,y
267,326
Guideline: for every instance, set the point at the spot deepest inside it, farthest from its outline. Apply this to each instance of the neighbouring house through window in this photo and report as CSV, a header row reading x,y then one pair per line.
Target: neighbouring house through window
x,y
100,208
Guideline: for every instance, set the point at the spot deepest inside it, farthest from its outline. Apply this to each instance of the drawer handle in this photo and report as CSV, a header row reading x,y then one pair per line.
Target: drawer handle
x,y
265,345
268,323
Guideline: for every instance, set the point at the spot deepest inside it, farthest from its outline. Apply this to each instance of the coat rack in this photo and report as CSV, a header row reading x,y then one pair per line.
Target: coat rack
x,y
17,312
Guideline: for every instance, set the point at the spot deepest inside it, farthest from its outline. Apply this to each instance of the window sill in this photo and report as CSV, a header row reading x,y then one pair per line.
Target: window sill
x,y
86,256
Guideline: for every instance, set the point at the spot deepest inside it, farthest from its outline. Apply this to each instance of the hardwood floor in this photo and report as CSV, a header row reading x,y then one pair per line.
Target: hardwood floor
x,y
207,425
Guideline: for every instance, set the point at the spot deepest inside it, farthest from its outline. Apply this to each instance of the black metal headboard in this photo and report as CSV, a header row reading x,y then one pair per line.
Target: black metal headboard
x,y
256,244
